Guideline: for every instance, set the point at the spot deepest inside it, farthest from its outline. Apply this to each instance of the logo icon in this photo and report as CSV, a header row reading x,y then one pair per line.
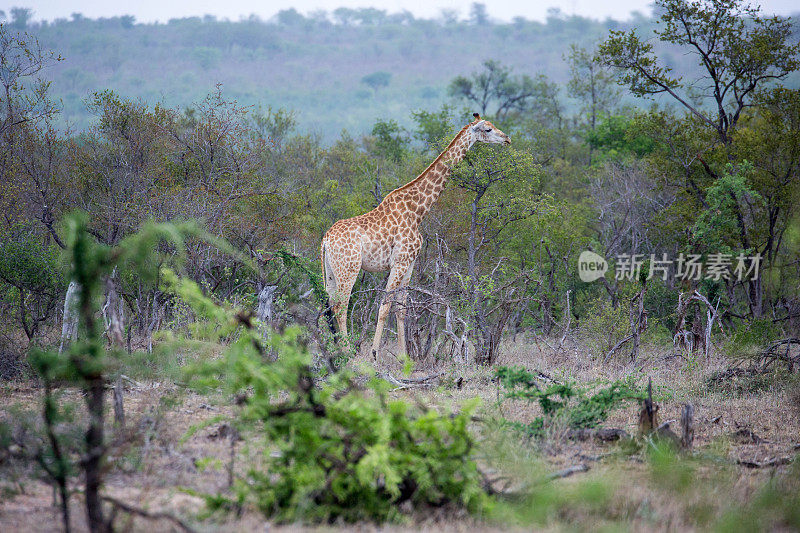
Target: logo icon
x,y
591,266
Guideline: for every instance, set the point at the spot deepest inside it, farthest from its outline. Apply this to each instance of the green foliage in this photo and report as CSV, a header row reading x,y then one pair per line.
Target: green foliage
x,y
504,177
31,283
737,49
332,449
26,264
591,83
313,276
580,408
718,226
206,56
433,126
389,140
617,136
633,57
273,125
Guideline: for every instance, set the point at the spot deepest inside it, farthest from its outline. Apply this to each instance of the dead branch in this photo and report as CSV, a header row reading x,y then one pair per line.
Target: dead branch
x,y
131,381
601,434
410,382
777,461
771,355
523,491
566,472
689,339
746,436
617,347
119,407
69,325
158,515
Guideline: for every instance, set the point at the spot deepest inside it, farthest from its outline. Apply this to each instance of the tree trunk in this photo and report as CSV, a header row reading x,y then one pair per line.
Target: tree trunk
x,y
265,313
638,318
756,297
484,345
119,405
266,298
95,450
112,313
687,423
69,323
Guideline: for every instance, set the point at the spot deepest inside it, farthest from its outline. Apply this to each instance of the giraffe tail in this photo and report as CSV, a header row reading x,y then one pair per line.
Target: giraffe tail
x,y
327,303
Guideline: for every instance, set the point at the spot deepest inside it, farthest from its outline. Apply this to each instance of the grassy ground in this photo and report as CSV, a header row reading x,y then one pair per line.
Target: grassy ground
x,y
157,461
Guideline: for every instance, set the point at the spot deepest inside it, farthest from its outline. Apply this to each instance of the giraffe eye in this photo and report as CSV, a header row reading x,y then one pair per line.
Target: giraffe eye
x,y
490,129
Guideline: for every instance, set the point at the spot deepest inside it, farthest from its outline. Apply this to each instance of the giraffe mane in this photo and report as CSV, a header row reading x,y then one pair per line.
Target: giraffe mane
x,y
439,157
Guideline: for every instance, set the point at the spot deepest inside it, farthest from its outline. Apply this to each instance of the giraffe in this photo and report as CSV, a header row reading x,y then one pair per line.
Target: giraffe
x,y
388,237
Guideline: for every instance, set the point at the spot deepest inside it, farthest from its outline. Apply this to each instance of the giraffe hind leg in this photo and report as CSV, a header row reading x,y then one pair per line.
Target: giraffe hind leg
x,y
338,285
329,284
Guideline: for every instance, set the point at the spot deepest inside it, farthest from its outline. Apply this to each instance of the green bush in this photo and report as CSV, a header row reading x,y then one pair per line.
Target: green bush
x,y
32,284
578,407
332,449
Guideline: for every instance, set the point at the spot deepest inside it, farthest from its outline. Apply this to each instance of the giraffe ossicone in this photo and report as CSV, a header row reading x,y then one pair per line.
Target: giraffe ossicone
x,y
388,237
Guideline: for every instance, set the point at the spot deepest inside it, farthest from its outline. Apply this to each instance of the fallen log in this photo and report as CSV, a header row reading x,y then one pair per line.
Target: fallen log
x,y
410,382
566,472
778,461
601,434
149,515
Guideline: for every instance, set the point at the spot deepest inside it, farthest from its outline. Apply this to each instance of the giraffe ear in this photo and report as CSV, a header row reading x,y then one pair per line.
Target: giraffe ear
x,y
477,124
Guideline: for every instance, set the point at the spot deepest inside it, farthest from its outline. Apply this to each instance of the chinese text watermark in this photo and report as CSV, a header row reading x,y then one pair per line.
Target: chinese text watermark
x,y
717,266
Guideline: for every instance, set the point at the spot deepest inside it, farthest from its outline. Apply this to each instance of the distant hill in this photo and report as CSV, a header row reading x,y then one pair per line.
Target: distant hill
x,y
314,65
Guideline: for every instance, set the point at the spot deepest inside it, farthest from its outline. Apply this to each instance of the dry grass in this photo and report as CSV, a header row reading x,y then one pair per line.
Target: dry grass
x,y
156,461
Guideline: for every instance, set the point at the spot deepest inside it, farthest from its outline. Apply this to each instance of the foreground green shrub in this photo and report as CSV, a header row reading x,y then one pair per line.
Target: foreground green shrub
x,y
69,440
578,407
331,449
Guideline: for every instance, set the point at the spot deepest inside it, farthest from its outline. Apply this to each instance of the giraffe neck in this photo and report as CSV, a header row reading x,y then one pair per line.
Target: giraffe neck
x,y
419,195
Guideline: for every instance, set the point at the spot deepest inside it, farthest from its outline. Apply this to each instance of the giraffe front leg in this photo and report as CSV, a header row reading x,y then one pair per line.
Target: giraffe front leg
x,y
395,279
401,309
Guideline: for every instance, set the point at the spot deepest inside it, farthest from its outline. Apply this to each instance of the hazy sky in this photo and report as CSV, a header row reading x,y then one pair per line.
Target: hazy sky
x,y
163,10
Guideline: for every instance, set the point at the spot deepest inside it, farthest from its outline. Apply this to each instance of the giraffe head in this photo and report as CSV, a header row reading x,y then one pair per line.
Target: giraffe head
x,y
485,132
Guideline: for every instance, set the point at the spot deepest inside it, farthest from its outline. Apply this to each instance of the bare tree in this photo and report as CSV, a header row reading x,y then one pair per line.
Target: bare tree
x,y
24,96
627,197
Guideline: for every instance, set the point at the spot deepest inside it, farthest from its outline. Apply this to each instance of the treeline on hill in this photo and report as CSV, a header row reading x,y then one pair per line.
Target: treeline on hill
x,y
338,70
716,173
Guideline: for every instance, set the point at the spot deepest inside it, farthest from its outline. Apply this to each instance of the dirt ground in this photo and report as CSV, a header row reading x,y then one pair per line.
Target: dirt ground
x,y
159,463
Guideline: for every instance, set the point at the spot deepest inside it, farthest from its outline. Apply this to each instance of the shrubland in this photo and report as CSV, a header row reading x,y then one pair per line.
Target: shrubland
x,y
176,249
